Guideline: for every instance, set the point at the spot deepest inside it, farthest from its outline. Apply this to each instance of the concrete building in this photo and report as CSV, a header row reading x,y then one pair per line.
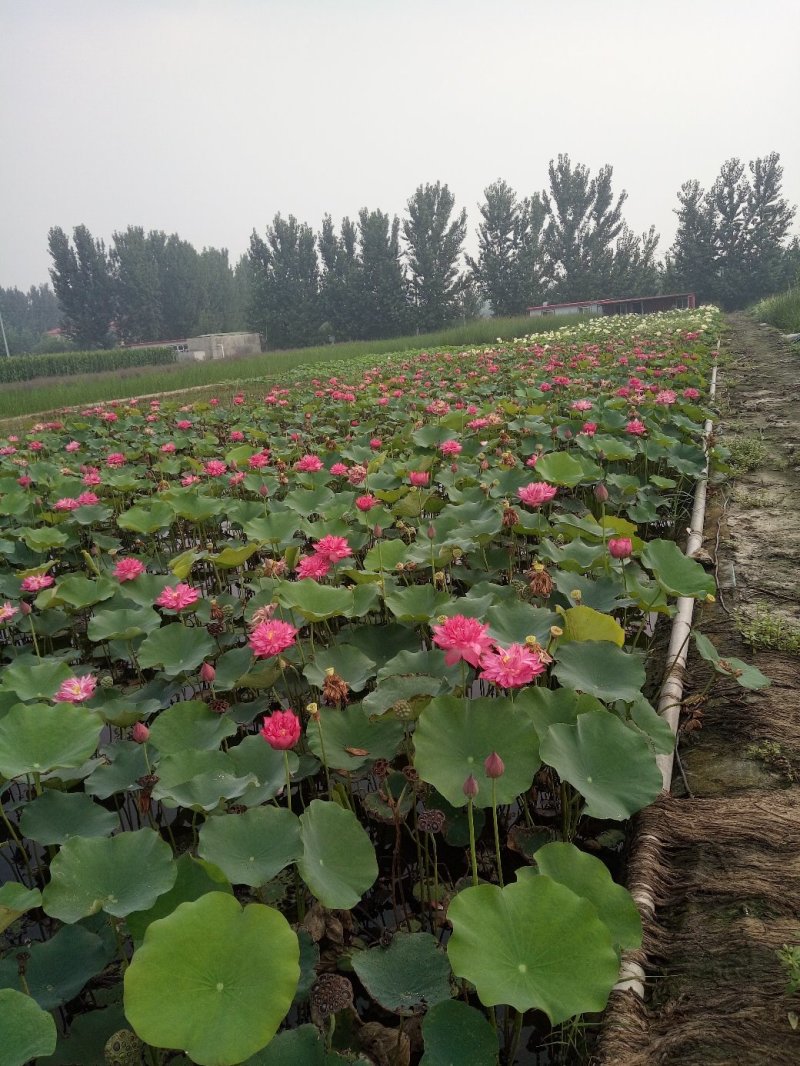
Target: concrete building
x,y
626,305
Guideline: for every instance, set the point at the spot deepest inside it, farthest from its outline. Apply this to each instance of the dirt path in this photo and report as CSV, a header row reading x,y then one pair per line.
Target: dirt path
x,y
724,862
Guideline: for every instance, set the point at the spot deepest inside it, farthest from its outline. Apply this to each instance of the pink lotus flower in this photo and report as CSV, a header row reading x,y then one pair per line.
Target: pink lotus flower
x,y
419,478
357,474
7,612
333,549
367,502
271,638
512,666
184,424
691,394
537,493
450,447
581,405
177,597
258,460
207,673
189,479
281,730
168,448
128,569
73,446
462,638
313,566
66,503
91,477
237,436
589,428
339,470
215,467
88,499
115,459
620,547
309,464
666,396
636,428
76,689
36,582
140,733
24,481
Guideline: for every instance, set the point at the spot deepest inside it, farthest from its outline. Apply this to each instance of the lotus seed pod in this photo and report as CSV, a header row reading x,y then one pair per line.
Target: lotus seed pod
x,y
123,1048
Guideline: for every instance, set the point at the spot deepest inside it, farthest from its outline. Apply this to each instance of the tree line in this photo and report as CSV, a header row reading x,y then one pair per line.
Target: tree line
x,y
383,276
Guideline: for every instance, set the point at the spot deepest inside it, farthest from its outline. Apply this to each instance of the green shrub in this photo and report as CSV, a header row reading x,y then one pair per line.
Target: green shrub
x,y
26,367
782,311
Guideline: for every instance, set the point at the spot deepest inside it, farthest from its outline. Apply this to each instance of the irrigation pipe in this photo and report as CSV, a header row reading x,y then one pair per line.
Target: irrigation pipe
x,y
632,975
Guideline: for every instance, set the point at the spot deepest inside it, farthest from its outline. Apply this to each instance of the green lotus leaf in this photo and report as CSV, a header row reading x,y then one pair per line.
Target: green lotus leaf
x,y
407,976
351,739
277,528
213,979
612,767
350,664
604,593
338,862
196,878
547,706
677,574
511,623
645,717
457,1033
55,816
26,1031
588,877
117,874
43,539
584,623
194,507
124,763
126,623
80,591
181,565
231,666
199,779
412,688
600,668
35,680
310,501
304,1046
532,944
58,968
265,766
385,555
38,738
176,648
231,557
15,900
416,603
139,519
745,674
561,468
253,847
315,602
453,738
88,1035
190,724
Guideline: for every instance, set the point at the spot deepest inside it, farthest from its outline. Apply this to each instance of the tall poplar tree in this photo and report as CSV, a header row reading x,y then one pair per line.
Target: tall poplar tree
x,y
285,302
82,282
433,250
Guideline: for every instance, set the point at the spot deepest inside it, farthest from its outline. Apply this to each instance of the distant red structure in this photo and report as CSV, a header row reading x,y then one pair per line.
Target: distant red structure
x,y
625,305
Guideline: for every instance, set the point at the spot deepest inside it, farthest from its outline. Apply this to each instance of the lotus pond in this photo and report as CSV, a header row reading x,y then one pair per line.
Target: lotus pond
x,y
321,714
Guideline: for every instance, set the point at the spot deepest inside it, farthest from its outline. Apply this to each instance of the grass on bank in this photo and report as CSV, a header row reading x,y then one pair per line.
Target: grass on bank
x,y
781,310
47,394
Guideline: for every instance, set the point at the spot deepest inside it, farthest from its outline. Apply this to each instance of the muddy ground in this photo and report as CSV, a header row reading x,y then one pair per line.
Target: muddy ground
x,y
721,855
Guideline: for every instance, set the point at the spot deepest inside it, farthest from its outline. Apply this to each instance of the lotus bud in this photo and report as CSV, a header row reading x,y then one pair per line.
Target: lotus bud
x,y
207,673
494,766
470,788
377,532
263,491
140,733
601,493
620,547
25,607
431,532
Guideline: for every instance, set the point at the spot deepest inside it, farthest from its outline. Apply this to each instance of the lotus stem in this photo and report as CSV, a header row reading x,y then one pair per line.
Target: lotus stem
x,y
288,780
472,852
497,858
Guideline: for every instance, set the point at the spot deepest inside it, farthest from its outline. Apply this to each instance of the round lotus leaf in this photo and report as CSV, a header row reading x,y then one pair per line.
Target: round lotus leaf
x,y
189,724
584,623
213,979
117,874
351,739
176,648
26,1031
58,968
588,877
15,900
350,664
37,738
253,847
34,680
124,623
199,779
454,737
675,572
600,668
612,767
55,816
456,1033
338,862
254,756
532,944
406,976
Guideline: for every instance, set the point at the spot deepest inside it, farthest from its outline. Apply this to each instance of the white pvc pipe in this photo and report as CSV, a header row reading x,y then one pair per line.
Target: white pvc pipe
x,y
669,704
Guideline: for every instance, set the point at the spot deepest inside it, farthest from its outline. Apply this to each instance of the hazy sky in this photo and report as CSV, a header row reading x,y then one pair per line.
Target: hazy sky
x,y
206,117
